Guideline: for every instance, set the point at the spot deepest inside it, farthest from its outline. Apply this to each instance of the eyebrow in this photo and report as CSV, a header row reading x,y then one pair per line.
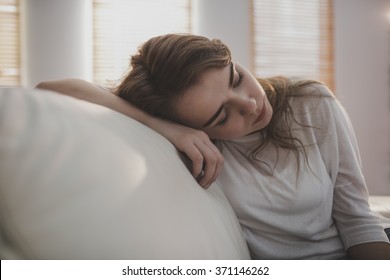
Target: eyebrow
x,y
213,118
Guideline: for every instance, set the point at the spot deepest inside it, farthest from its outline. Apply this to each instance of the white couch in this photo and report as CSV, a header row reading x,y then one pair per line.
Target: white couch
x,y
80,181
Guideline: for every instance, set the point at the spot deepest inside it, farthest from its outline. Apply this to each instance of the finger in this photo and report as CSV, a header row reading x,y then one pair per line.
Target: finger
x,y
209,166
196,159
218,164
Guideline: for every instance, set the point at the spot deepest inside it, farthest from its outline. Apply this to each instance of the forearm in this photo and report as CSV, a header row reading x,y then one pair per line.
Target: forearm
x,y
84,90
373,251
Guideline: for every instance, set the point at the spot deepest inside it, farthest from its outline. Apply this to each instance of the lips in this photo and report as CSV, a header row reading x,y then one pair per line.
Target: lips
x,y
261,115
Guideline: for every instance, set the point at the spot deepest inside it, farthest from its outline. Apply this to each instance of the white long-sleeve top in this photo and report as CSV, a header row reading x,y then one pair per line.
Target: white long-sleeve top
x,y
315,212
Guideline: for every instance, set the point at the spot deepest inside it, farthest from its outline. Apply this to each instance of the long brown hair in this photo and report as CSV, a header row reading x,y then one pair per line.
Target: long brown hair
x,y
167,65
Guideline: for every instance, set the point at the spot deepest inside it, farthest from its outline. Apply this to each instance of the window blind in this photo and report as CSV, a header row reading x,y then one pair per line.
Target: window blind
x,y
9,43
294,38
120,26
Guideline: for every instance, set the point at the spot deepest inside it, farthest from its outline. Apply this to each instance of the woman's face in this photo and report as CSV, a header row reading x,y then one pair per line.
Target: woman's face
x,y
226,103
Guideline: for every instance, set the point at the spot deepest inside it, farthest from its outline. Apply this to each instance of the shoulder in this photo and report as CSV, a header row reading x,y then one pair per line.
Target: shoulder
x,y
312,98
310,89
315,105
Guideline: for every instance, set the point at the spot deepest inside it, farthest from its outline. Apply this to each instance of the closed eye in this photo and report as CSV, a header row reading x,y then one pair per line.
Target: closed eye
x,y
237,79
224,118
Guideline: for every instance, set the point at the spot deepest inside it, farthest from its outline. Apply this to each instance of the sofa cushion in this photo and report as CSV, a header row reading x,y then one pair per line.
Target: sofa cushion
x,y
80,181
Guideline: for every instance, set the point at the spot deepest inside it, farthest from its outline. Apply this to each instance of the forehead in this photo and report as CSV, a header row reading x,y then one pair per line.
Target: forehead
x,y
202,100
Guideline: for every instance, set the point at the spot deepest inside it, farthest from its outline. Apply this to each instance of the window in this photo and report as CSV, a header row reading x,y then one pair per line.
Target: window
x,y
120,26
9,43
294,38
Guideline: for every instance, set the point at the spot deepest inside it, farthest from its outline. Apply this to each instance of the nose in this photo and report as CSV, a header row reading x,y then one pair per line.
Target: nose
x,y
245,105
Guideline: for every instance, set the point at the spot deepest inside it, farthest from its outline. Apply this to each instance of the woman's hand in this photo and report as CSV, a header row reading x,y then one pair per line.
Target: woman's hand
x,y
206,159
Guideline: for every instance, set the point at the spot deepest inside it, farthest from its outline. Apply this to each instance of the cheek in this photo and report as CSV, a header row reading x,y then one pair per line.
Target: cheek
x,y
232,130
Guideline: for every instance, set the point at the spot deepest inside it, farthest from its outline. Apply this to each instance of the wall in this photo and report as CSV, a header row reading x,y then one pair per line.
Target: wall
x,y
227,20
362,63
56,40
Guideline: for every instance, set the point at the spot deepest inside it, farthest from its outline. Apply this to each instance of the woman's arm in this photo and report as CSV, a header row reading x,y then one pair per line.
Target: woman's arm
x,y
360,230
370,251
194,143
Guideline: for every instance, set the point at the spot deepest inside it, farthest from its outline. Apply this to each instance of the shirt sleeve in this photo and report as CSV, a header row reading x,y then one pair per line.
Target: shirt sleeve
x,y
351,211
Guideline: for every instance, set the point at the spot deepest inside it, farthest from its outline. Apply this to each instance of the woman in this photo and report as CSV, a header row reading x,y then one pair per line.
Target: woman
x,y
292,169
